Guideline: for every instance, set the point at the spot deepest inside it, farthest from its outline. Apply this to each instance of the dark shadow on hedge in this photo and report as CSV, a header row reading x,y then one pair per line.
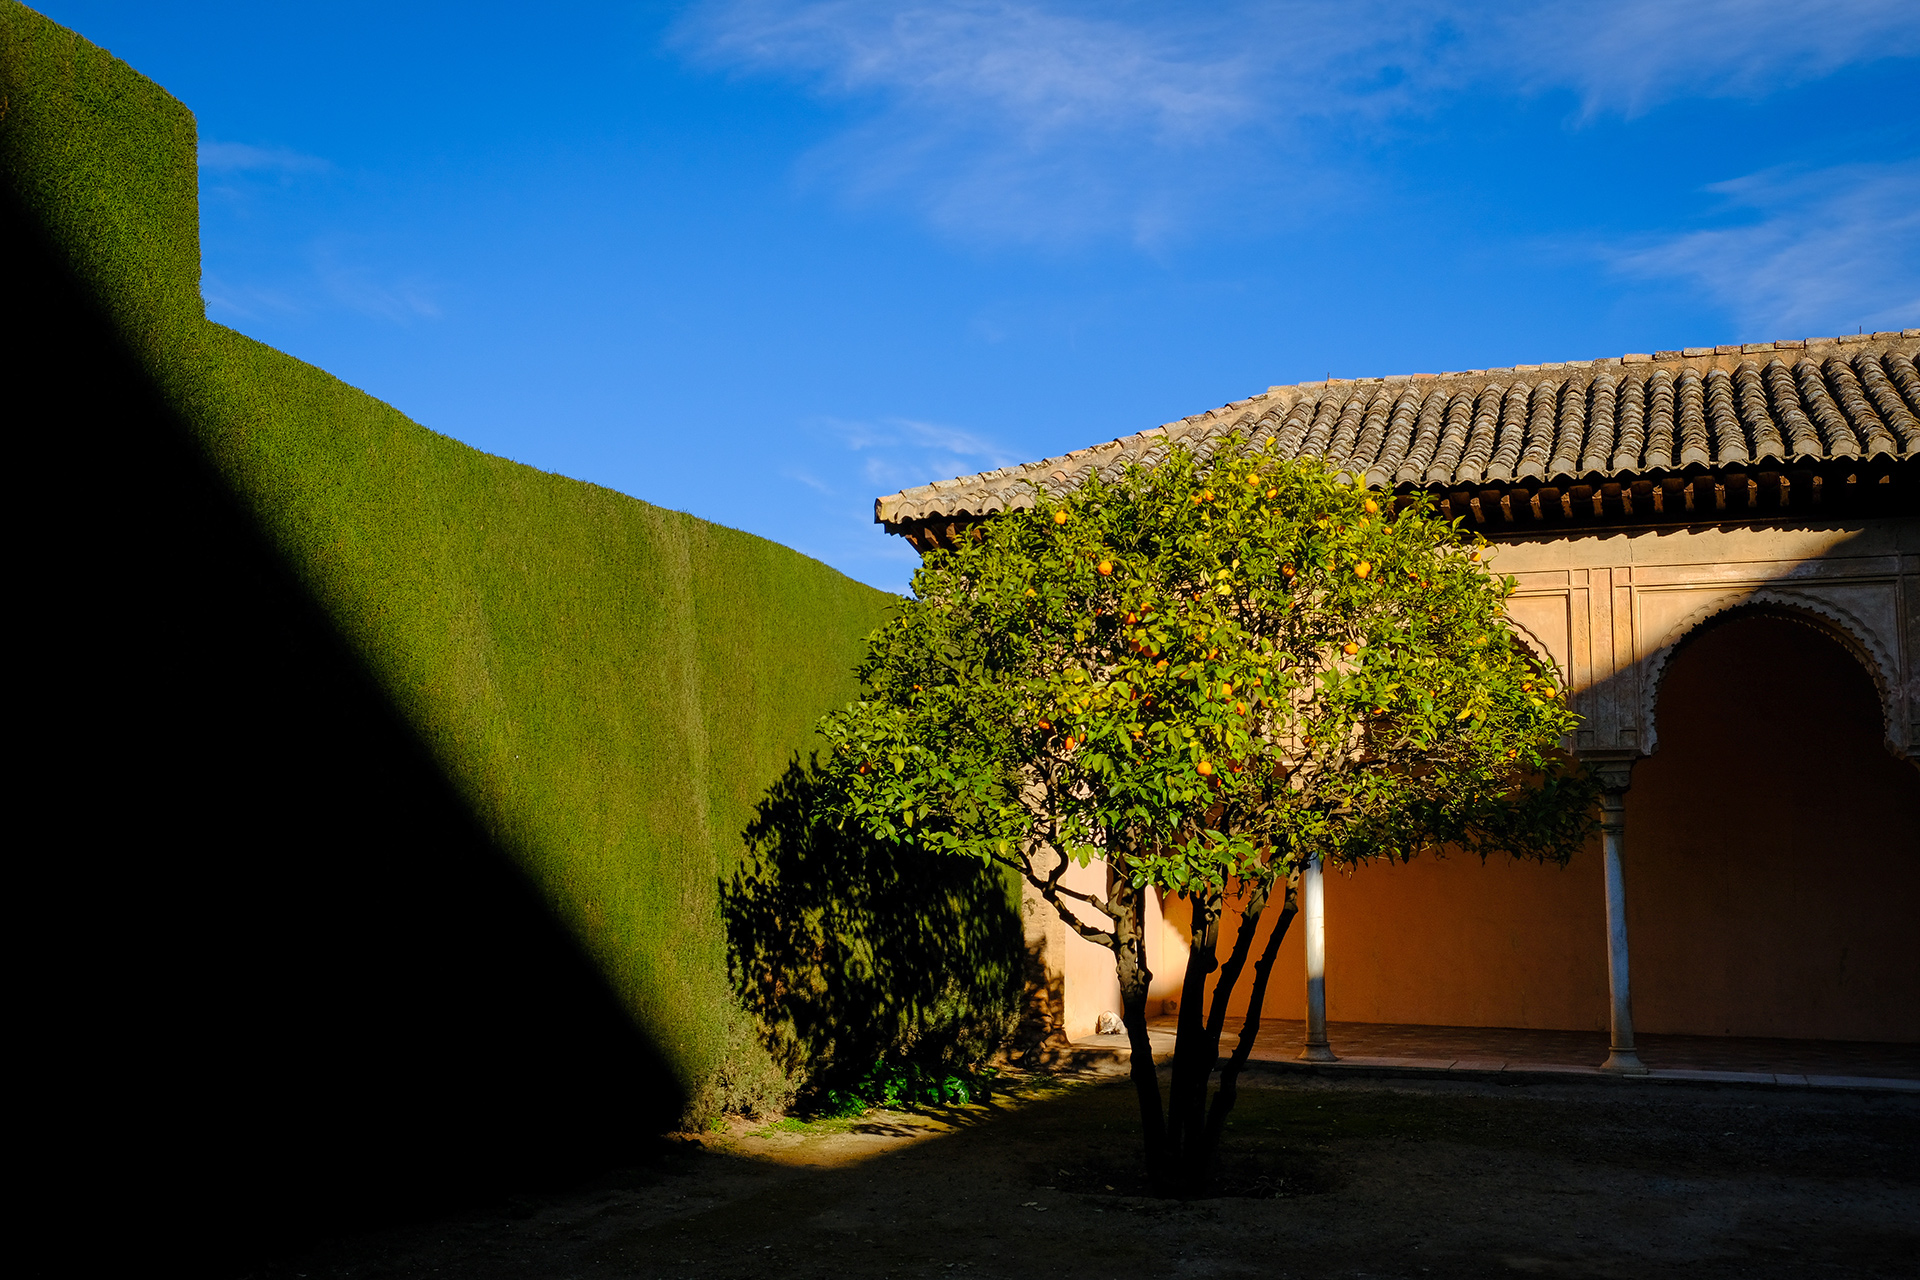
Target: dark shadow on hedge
x,y
850,952
277,978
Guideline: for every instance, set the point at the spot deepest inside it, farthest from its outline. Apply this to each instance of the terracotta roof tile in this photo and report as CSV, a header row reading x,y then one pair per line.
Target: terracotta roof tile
x,y
1618,420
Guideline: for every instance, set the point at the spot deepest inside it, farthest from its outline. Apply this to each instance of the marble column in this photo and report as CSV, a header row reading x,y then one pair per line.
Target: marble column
x,y
1616,776
1313,914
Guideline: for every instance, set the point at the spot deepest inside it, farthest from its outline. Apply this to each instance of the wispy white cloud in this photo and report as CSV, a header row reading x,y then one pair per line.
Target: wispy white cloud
x,y
1008,119
1632,56
240,157
1807,252
240,301
358,288
331,280
1059,119
802,477
247,178
852,460
896,453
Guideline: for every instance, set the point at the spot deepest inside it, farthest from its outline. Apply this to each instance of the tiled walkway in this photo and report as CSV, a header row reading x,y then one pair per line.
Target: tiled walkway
x,y
1589,1048
1364,1046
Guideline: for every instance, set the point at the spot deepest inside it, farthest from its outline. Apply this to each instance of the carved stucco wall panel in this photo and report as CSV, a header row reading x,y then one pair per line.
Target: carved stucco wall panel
x,y
1610,610
1841,610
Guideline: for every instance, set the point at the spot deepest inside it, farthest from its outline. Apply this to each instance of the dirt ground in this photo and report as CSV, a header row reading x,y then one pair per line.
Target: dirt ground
x,y
1346,1178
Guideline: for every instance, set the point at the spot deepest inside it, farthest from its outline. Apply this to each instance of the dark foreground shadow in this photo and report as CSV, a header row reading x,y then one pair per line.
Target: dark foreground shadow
x,y
847,950
276,979
1373,1178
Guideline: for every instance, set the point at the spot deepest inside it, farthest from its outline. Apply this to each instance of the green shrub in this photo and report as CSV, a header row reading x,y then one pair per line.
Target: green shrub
x,y
852,952
898,1084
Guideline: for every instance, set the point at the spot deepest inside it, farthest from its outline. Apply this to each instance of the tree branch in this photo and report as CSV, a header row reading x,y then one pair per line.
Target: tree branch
x,y
1098,904
1224,1097
1100,937
1230,971
1051,889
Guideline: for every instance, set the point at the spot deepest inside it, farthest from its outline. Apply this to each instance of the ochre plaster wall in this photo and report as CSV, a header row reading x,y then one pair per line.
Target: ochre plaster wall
x,y
1092,983
1773,847
1453,942
1089,982
1772,867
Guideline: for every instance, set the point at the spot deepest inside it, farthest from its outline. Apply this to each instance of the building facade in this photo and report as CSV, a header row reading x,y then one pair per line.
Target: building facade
x,y
1719,550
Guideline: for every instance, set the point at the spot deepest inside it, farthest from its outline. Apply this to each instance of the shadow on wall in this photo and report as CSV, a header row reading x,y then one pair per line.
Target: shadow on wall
x,y
1771,864
848,950
277,979
1773,843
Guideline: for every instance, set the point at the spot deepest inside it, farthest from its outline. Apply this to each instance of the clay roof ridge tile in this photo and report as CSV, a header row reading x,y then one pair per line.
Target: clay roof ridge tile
x,y
990,488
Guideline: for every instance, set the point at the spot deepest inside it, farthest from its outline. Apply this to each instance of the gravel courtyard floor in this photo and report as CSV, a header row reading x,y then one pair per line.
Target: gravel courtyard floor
x,y
1332,1178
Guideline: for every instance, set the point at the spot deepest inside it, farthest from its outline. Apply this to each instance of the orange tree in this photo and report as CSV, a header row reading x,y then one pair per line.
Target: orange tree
x,y
1204,676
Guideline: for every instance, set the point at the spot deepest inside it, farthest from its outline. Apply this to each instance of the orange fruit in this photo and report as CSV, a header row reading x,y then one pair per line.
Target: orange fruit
x,y
1362,569
1286,570
1372,506
1059,517
1204,769
1105,567
1350,648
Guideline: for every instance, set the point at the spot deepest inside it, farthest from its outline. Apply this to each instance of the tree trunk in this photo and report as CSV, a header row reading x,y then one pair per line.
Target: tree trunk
x,y
1193,1054
1182,1141
1130,961
1193,1128
1229,1090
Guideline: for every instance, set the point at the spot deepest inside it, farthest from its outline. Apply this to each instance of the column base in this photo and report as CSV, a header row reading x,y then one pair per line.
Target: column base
x,y
1624,1061
1318,1053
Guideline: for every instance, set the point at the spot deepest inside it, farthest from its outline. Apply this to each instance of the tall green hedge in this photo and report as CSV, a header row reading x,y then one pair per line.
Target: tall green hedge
x,y
609,686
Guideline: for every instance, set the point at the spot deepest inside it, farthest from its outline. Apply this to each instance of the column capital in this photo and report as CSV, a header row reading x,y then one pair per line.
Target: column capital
x,y
1616,771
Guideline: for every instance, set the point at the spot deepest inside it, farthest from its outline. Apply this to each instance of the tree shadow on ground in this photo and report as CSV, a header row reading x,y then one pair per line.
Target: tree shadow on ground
x,y
849,951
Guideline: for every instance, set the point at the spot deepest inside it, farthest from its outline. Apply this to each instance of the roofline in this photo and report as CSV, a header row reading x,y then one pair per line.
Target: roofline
x,y
891,512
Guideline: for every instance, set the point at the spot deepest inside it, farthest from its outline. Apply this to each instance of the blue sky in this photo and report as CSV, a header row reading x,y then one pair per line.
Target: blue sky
x,y
764,260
